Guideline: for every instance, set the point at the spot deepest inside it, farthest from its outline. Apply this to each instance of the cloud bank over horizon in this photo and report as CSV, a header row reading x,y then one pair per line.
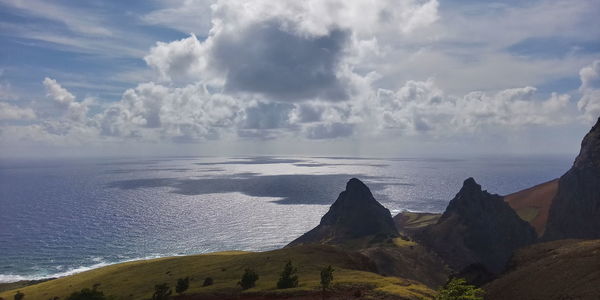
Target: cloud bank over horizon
x,y
324,71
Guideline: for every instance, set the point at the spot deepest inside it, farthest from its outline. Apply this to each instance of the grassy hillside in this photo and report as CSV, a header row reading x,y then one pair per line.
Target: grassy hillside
x,y
533,204
565,269
408,222
136,280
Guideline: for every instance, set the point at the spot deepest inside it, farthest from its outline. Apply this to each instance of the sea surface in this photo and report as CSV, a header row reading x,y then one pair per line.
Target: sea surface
x,y
59,217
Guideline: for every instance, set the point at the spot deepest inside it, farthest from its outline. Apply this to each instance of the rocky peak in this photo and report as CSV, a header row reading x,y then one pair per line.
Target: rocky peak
x,y
354,214
477,228
589,155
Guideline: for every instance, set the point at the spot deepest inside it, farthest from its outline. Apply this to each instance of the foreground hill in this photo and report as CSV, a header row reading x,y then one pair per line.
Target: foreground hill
x,y
565,269
136,280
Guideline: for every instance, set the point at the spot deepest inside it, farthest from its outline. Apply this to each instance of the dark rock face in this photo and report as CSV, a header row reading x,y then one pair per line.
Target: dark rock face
x,y
575,210
354,214
477,228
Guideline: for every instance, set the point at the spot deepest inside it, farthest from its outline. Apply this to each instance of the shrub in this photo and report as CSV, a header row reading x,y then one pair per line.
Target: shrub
x,y
458,289
326,277
182,285
161,292
249,279
208,281
87,294
19,296
288,278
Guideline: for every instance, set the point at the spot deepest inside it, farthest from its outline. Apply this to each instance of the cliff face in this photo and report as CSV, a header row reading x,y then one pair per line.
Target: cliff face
x,y
477,228
353,215
575,210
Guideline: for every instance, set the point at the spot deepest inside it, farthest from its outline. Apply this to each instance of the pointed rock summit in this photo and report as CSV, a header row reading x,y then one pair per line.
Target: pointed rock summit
x,y
355,214
477,228
575,210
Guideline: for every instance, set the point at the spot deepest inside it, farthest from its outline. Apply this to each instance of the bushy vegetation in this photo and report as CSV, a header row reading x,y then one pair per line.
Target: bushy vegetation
x,y
88,294
19,296
161,292
182,285
326,277
288,278
249,279
458,289
208,281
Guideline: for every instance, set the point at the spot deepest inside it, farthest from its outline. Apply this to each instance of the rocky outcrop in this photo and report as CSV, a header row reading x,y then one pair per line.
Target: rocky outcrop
x,y
355,214
477,228
575,210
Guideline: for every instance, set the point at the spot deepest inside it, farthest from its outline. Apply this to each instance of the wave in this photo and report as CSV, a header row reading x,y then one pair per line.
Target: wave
x,y
8,278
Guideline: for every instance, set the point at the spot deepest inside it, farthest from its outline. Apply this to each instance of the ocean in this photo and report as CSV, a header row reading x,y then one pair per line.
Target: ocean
x,y
59,217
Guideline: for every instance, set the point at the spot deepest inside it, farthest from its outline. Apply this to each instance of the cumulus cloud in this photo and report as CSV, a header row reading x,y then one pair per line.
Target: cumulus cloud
x,y
316,69
420,106
76,111
13,112
589,103
288,50
182,60
154,112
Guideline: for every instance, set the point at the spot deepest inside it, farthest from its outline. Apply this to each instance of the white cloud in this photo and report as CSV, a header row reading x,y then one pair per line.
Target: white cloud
x,y
421,107
333,69
289,50
156,112
13,112
182,60
76,111
589,103
183,15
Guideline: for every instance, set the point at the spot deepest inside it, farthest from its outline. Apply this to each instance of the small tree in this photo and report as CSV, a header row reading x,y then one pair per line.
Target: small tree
x,y
161,292
326,277
19,296
182,285
288,278
249,279
207,281
458,289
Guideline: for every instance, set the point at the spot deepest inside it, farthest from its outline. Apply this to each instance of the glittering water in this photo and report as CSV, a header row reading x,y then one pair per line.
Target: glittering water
x,y
64,216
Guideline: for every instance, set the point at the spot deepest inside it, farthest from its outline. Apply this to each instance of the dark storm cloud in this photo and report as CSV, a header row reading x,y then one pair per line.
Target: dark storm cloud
x,y
280,64
268,116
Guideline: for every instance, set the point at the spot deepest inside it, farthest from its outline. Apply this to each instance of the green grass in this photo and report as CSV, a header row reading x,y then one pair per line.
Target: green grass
x,y
528,214
136,280
418,220
403,243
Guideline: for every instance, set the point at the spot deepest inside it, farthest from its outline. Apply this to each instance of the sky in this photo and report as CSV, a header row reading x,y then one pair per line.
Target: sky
x,y
313,77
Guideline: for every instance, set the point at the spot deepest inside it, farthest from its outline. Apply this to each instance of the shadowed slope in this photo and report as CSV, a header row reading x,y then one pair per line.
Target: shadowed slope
x,y
565,269
575,211
477,227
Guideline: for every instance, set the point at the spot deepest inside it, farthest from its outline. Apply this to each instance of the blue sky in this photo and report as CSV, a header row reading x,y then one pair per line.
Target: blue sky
x,y
390,78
